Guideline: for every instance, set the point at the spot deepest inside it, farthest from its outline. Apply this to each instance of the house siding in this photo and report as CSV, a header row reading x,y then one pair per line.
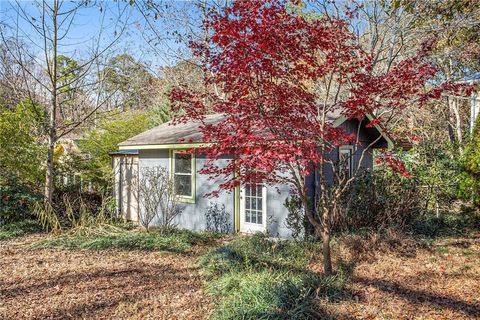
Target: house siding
x,y
193,215
277,212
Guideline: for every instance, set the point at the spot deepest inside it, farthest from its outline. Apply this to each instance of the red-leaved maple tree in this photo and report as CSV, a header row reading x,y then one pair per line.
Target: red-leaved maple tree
x,y
278,75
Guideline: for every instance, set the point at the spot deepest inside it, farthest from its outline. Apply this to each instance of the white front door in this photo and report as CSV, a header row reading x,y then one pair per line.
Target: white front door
x,y
253,208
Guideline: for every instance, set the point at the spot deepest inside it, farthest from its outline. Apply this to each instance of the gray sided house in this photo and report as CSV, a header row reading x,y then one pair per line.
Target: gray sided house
x,y
248,209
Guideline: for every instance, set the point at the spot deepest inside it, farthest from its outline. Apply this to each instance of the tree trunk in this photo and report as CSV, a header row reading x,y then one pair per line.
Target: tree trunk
x,y
52,132
458,124
327,258
50,173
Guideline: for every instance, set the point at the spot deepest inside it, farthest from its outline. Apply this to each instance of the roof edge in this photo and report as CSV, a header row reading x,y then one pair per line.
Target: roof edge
x,y
163,146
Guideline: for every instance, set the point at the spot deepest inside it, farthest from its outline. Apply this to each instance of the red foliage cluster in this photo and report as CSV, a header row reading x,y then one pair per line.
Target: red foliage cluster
x,y
267,61
388,159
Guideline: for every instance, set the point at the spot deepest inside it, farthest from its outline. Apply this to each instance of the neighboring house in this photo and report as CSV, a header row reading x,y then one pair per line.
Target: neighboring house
x,y
66,149
249,208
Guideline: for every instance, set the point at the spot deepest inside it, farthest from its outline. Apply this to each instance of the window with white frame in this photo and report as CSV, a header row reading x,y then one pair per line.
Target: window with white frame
x,y
345,161
183,174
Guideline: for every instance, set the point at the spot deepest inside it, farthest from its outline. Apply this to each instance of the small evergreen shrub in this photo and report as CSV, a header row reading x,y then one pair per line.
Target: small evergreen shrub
x,y
17,200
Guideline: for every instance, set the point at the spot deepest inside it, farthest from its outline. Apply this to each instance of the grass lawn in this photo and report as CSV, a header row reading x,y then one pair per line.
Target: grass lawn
x,y
183,275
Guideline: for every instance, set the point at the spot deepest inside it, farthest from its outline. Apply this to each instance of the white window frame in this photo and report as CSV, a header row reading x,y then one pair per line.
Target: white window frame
x,y
192,174
249,227
347,149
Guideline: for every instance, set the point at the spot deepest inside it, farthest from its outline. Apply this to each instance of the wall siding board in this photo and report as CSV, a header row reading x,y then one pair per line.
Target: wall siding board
x,y
193,215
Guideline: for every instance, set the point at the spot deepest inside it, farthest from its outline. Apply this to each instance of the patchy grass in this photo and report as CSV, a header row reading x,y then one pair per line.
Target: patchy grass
x,y
179,241
258,278
18,229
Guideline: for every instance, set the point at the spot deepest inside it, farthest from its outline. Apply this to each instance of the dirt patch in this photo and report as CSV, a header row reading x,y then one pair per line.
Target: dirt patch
x,y
442,282
113,284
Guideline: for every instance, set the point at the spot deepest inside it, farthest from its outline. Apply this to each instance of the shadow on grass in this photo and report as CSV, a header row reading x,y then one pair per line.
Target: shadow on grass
x,y
422,296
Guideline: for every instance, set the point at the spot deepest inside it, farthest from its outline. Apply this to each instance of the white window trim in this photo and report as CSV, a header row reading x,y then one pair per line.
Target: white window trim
x,y
350,150
183,198
249,227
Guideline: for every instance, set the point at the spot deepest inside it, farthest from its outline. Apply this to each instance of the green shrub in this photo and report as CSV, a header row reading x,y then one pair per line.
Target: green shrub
x,y
17,200
296,220
470,164
21,151
447,224
18,229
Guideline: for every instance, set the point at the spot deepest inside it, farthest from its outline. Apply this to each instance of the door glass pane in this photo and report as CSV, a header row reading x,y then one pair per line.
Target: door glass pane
x,y
253,203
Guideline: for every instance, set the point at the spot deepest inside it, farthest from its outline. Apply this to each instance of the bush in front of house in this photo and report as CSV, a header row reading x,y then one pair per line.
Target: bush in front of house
x,y
16,199
259,278
380,200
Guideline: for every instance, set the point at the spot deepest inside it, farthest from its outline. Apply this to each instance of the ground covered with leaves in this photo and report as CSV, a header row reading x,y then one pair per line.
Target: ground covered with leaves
x,y
109,284
136,276
408,279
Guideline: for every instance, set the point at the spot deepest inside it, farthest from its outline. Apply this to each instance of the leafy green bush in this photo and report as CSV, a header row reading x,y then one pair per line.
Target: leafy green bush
x,y
102,140
18,229
21,153
258,278
296,220
16,199
447,224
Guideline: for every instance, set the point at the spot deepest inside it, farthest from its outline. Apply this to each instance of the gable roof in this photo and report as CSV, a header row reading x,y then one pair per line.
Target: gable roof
x,y
188,134
166,133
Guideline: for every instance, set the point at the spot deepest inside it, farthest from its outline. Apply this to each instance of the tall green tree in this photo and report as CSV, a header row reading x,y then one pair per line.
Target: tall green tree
x,y
129,81
21,150
99,142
